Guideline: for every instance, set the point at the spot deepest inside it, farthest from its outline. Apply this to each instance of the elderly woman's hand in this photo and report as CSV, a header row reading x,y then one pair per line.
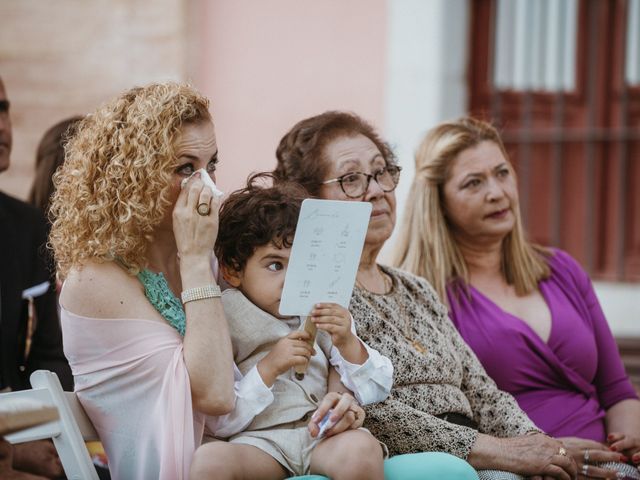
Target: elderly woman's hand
x,y
195,220
542,457
589,452
346,414
535,455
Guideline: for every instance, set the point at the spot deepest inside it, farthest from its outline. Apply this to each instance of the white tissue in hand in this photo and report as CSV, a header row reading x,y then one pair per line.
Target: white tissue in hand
x,y
206,179
204,175
325,424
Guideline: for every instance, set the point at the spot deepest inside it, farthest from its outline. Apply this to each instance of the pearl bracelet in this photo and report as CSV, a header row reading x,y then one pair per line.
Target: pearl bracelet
x,y
200,293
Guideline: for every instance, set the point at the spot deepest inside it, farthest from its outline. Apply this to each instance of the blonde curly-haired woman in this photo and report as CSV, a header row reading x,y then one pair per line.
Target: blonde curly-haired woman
x,y
121,218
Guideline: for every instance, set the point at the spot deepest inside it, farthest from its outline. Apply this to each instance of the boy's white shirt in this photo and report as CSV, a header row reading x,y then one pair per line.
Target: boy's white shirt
x,y
370,383
252,397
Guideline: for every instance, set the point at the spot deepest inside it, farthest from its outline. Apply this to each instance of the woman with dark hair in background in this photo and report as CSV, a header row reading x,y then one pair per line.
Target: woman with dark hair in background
x,y
49,156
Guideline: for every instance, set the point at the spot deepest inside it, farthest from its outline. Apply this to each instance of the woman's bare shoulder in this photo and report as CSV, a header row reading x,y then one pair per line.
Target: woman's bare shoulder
x,y
102,290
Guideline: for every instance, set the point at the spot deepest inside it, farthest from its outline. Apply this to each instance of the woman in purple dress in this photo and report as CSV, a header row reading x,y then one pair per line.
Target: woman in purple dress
x,y
529,313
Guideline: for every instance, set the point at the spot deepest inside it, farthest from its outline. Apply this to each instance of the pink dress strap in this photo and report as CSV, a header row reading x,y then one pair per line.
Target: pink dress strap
x,y
131,378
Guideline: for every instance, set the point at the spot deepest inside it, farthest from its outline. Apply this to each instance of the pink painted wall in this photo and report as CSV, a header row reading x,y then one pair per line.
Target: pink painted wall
x,y
267,64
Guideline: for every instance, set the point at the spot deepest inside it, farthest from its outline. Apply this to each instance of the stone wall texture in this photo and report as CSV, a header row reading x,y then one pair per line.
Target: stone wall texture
x,y
65,57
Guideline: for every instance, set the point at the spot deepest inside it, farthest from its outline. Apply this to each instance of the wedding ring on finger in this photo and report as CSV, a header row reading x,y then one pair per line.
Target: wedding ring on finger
x,y
586,457
562,452
203,209
585,469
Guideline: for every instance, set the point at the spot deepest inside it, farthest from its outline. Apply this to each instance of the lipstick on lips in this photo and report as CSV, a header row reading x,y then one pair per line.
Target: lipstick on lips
x,y
498,214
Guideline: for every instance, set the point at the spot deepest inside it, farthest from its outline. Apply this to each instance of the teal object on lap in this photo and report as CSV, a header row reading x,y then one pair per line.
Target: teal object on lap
x,y
421,466
428,466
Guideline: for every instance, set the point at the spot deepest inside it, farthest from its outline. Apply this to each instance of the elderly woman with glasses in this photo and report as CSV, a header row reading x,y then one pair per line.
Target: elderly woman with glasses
x,y
442,400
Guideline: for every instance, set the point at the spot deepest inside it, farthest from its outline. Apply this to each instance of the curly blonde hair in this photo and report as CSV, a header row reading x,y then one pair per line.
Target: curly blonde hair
x,y
112,190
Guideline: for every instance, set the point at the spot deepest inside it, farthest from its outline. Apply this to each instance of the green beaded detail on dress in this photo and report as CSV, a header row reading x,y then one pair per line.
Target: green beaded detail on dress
x,y
162,298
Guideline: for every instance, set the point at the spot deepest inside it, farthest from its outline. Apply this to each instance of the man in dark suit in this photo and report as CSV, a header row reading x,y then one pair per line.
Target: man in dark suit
x,y
30,336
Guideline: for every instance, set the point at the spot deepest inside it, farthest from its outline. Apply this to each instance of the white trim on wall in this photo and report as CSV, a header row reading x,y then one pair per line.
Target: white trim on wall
x,y
633,43
535,46
426,76
621,305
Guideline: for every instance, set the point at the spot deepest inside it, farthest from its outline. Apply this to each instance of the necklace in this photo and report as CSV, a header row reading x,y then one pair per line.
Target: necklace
x,y
406,331
417,345
386,280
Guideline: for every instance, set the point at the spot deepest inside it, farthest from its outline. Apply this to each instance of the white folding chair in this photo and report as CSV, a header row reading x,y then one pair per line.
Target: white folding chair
x,y
68,432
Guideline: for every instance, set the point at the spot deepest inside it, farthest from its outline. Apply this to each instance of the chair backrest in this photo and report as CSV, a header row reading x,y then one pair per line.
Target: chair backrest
x,y
68,432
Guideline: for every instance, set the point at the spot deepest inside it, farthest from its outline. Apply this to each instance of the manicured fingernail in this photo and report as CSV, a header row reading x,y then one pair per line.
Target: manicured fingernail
x,y
623,459
636,458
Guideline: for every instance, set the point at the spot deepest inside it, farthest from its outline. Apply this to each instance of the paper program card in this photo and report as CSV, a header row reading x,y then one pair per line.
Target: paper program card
x,y
325,254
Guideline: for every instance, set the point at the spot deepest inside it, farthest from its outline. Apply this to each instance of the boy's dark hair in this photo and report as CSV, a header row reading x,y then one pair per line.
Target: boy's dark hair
x,y
257,215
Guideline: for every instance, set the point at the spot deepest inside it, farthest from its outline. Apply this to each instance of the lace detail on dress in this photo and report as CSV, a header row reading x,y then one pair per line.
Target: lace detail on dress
x,y
162,298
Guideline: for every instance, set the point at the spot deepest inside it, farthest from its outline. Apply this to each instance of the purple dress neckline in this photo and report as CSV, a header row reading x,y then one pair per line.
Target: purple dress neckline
x,y
566,384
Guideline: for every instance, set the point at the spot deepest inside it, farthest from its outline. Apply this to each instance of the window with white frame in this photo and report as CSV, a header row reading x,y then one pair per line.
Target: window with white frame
x,y
633,43
535,45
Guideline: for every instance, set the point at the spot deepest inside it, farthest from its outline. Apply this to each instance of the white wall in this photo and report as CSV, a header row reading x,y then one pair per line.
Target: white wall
x,y
621,305
267,65
66,57
425,77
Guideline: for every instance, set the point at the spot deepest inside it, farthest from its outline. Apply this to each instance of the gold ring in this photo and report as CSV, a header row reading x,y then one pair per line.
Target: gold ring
x,y
203,209
562,452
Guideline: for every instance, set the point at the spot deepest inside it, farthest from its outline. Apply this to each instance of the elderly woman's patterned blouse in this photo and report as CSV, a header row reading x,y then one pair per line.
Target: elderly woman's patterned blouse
x,y
446,378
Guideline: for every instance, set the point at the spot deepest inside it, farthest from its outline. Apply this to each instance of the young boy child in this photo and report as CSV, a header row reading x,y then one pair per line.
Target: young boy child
x,y
256,229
